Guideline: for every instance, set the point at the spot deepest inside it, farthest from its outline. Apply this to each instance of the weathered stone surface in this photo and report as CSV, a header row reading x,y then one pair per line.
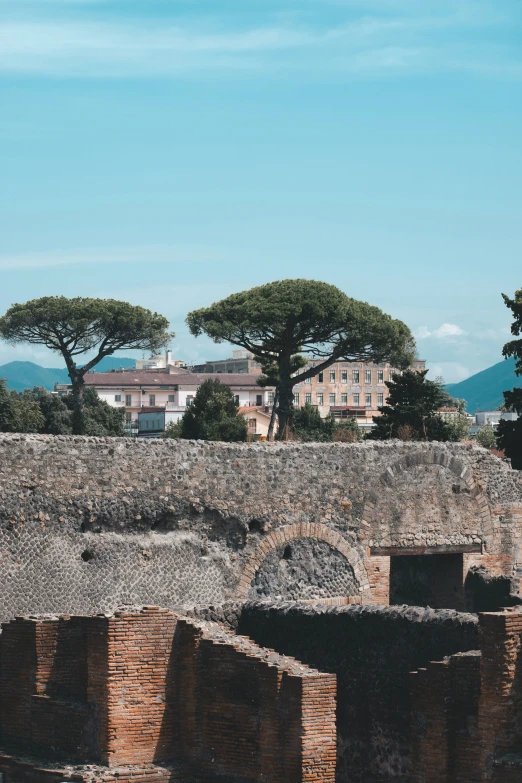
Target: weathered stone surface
x,y
87,524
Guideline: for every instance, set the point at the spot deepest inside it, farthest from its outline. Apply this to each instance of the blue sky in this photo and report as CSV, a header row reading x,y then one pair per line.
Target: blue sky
x,y
170,152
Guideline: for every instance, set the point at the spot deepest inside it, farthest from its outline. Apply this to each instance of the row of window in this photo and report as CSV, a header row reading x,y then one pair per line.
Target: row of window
x,y
152,399
356,376
339,399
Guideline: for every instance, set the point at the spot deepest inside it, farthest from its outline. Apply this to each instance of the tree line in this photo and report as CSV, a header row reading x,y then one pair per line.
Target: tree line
x,y
282,324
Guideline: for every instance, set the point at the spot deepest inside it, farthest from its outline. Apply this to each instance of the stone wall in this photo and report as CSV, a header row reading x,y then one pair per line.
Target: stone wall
x,y
372,650
89,524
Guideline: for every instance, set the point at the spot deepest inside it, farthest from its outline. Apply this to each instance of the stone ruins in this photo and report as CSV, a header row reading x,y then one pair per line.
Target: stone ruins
x,y
188,611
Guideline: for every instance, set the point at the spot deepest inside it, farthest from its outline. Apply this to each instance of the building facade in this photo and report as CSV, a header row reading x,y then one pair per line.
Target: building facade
x,y
162,361
348,388
241,362
134,390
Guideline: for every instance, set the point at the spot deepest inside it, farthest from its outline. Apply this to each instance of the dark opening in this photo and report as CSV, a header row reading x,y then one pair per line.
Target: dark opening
x,y
427,580
87,555
287,554
254,526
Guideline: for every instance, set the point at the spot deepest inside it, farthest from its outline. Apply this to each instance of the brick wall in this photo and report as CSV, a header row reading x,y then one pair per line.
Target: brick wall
x,y
250,712
467,710
444,721
144,688
372,650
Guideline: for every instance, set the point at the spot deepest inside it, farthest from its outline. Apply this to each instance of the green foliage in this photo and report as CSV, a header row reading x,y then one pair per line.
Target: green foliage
x,y
27,416
411,410
486,437
18,414
309,426
100,418
56,414
213,415
74,327
347,431
509,433
6,408
458,428
280,320
37,410
509,438
514,347
173,430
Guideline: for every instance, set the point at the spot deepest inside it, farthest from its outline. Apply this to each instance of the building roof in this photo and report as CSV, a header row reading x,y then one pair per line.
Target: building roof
x,y
128,379
254,409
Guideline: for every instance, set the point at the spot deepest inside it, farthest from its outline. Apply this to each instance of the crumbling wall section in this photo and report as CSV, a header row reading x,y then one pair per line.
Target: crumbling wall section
x,y
372,650
89,524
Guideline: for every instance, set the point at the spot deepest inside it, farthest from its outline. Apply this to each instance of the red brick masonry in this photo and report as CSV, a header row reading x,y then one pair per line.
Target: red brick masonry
x,y
467,710
146,696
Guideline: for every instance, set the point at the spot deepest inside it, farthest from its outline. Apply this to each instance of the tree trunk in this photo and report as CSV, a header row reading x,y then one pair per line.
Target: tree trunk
x,y
270,434
78,418
285,408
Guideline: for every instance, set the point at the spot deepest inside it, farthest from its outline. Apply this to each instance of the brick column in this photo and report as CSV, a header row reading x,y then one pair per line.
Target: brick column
x,y
430,750
378,569
500,708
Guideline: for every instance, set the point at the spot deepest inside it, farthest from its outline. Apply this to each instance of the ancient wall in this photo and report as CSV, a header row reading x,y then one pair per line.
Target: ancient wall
x,y
147,691
372,650
89,524
467,709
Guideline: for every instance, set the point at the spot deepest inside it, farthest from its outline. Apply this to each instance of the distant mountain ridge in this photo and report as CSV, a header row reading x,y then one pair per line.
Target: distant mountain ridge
x,y
26,375
483,391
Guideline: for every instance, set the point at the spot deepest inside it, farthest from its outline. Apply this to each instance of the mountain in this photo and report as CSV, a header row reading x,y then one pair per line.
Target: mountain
x,y
25,375
483,391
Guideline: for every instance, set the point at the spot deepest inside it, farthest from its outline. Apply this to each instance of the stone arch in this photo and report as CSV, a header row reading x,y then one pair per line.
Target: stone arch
x,y
287,533
435,457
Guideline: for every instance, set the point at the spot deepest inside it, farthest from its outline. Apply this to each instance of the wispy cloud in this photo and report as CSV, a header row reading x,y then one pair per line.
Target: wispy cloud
x,y
444,332
144,254
378,38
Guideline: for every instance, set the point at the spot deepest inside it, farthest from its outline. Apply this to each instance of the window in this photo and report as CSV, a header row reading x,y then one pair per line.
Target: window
x,y
368,400
368,376
128,418
380,376
356,398
355,376
152,400
344,376
332,399
252,426
344,399
380,400
296,399
332,376
189,399
308,380
236,399
259,399
320,399
117,398
271,398
172,398
128,400
320,377
308,398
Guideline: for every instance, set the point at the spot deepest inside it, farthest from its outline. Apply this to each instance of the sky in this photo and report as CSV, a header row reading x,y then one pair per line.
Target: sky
x,y
171,152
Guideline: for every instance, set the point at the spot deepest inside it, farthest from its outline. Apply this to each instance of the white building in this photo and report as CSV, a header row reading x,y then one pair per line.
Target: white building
x,y
152,422
162,388
160,362
494,417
